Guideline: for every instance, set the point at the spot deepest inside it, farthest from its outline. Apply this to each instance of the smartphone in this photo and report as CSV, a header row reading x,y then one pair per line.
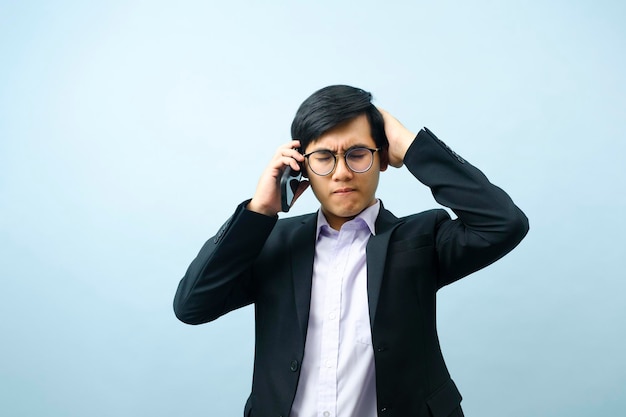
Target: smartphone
x,y
289,182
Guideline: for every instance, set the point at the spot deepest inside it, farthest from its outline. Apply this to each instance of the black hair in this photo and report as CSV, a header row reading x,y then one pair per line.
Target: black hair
x,y
332,106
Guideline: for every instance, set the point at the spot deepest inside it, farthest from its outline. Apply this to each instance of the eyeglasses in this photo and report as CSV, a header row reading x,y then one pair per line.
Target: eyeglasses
x,y
323,162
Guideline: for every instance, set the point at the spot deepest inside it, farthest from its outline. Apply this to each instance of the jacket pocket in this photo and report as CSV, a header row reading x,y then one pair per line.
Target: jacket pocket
x,y
444,400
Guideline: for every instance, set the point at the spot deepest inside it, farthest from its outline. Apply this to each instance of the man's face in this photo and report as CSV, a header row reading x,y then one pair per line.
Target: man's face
x,y
343,193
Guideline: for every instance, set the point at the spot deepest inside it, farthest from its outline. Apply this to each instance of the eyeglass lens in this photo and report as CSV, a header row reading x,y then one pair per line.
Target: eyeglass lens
x,y
358,160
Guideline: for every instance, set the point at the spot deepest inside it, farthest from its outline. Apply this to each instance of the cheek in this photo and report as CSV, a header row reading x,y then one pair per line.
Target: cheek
x,y
317,187
372,183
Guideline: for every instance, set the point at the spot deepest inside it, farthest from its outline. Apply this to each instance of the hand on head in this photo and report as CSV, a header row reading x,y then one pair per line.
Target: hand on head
x,y
399,137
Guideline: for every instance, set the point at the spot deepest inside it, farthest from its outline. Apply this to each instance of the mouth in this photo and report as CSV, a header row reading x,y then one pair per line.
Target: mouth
x,y
343,190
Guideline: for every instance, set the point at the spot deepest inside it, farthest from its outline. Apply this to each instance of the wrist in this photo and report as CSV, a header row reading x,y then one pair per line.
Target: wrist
x,y
399,146
257,207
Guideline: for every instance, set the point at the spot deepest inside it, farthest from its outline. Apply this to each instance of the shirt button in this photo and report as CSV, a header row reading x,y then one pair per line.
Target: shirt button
x,y
326,414
332,316
329,364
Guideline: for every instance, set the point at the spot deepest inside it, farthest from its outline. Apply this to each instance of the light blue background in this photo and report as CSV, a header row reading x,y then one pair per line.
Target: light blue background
x,y
129,130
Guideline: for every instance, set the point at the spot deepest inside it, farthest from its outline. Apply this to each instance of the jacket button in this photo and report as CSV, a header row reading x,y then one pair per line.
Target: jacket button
x,y
293,366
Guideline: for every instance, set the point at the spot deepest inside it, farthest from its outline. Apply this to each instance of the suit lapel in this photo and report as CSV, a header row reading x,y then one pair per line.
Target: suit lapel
x,y
377,256
303,252
303,241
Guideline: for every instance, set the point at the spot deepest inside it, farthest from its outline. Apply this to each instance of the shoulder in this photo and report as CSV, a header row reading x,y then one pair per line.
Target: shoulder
x,y
286,228
295,221
425,222
302,218
432,215
424,219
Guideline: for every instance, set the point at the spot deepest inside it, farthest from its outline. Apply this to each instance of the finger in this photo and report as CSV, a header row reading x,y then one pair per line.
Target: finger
x,y
290,145
285,161
295,154
285,151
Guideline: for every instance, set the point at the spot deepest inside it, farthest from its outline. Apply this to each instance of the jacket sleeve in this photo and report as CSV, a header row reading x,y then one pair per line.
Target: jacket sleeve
x,y
219,279
489,224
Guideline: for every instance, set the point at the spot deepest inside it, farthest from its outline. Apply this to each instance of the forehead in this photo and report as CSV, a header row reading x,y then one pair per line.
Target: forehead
x,y
355,132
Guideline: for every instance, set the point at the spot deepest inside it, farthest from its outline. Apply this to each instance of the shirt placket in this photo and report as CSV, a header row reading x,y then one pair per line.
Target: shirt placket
x,y
327,394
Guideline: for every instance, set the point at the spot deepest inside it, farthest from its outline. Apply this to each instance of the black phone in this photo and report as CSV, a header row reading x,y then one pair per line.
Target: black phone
x,y
289,181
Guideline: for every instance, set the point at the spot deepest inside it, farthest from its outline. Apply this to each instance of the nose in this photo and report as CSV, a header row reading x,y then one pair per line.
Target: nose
x,y
342,172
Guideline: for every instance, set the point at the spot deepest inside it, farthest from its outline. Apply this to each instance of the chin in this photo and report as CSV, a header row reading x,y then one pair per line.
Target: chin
x,y
349,213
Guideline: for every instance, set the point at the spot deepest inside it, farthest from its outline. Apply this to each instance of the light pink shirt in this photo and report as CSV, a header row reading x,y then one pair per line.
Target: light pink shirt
x,y
338,378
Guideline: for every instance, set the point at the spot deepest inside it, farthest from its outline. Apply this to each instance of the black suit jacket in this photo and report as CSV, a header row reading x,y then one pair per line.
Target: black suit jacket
x,y
269,262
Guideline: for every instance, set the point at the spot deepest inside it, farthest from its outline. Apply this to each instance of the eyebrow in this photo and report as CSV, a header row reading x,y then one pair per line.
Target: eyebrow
x,y
356,145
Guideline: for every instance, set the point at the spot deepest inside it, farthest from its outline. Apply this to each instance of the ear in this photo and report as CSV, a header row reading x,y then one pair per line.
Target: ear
x,y
384,158
303,168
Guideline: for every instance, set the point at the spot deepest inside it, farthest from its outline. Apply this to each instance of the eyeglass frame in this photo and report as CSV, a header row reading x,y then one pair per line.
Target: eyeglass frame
x,y
335,155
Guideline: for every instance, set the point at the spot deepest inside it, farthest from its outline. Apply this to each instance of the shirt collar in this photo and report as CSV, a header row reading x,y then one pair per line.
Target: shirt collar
x,y
367,216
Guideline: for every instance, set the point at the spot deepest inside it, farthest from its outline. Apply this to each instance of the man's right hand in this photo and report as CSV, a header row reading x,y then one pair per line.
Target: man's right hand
x,y
266,198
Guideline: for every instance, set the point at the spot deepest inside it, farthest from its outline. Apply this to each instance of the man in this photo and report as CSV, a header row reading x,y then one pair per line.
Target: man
x,y
345,297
